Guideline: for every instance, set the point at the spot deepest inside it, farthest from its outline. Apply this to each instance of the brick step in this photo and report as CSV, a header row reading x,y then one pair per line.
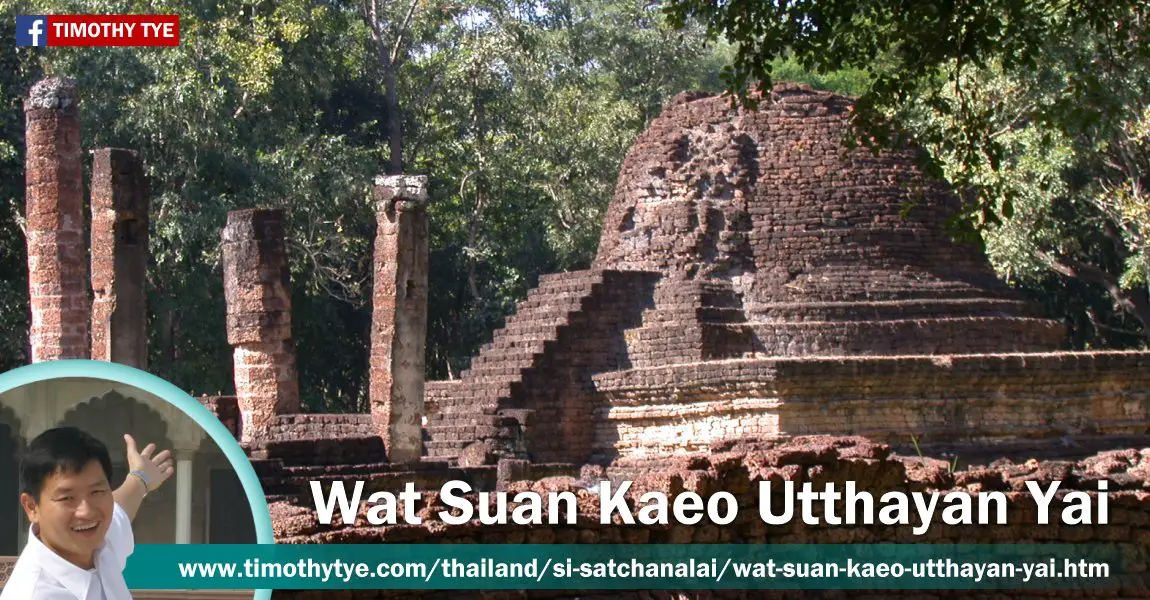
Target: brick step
x,y
690,314
699,294
541,296
470,419
545,312
306,432
451,411
367,468
897,309
322,418
502,370
571,278
500,365
538,327
495,374
537,320
509,348
476,394
440,449
886,291
525,331
334,451
951,335
479,406
924,322
342,470
470,433
424,480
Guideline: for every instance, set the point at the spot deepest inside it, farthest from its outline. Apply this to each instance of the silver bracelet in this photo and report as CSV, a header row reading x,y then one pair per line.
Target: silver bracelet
x,y
143,479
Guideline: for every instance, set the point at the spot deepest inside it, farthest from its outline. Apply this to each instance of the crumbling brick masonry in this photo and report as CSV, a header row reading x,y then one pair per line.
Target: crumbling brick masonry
x,y
257,288
119,257
54,209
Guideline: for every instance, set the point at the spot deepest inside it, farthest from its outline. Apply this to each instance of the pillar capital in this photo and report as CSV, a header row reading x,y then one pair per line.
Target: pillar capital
x,y
58,93
401,192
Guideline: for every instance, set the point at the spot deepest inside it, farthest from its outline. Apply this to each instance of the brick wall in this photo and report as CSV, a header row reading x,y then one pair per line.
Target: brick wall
x,y
988,399
321,440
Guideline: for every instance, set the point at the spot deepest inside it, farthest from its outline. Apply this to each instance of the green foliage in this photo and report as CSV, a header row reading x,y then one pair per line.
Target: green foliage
x,y
850,81
16,71
923,51
519,112
1070,193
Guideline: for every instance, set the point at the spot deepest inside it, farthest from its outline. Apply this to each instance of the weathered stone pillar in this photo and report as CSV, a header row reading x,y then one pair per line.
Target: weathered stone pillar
x,y
399,314
257,289
54,209
119,257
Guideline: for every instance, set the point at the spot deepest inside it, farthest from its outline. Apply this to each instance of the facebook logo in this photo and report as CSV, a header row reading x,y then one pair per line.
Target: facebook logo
x,y
31,31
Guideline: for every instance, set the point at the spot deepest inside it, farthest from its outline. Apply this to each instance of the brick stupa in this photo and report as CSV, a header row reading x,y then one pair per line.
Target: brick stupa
x,y
756,280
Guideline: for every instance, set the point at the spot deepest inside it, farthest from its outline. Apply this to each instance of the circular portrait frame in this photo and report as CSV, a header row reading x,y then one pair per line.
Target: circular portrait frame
x,y
125,375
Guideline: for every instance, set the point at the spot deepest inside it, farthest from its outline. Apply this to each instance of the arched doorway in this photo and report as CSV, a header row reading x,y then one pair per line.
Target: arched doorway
x,y
108,418
11,515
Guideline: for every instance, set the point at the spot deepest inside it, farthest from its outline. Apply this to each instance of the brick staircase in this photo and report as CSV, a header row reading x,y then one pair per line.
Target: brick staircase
x,y
336,445
321,439
486,403
690,321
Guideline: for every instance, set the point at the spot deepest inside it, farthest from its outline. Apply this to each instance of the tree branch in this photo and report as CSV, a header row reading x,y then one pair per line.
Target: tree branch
x,y
402,31
1136,305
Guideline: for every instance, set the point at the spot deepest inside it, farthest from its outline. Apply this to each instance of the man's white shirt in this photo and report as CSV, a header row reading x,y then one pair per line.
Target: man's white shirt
x,y
41,574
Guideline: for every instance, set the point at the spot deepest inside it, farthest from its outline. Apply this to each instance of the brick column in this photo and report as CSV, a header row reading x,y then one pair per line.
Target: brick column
x,y
257,290
54,209
119,258
399,314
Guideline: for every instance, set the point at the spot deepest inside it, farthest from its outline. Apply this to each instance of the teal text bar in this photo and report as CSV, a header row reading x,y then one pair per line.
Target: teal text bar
x,y
636,567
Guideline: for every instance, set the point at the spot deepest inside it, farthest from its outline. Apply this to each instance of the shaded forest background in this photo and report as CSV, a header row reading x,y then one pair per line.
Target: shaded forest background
x,y
520,114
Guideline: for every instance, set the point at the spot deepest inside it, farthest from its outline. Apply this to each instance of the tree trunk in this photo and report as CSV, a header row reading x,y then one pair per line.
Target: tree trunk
x,y
1134,304
167,339
394,119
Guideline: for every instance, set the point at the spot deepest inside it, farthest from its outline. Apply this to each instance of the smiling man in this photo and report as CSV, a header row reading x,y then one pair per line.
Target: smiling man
x,y
81,534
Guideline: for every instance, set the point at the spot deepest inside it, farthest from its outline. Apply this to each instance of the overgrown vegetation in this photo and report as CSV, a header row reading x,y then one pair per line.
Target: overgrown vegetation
x,y
520,113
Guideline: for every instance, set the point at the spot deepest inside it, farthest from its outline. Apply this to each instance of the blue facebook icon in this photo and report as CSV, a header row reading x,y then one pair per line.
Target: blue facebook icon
x,y
31,31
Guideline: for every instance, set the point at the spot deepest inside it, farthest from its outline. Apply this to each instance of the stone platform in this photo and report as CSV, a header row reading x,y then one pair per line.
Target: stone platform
x,y
974,399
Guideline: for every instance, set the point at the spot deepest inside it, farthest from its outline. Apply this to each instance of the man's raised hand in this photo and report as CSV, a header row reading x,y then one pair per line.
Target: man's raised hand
x,y
155,470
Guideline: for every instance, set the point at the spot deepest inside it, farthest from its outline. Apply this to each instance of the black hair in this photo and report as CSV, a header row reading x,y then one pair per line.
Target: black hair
x,y
64,449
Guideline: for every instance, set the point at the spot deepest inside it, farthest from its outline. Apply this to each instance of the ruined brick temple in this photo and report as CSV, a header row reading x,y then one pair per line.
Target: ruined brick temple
x,y
757,288
753,281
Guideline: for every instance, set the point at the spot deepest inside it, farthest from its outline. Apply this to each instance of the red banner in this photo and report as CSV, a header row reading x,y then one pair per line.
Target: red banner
x,y
113,30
